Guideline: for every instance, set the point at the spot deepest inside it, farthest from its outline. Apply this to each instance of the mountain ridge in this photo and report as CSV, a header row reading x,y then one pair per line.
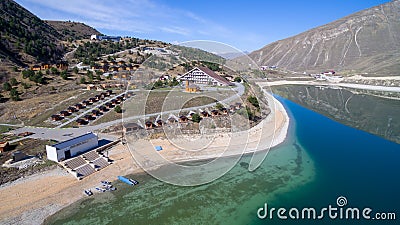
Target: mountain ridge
x,y
72,30
366,42
25,37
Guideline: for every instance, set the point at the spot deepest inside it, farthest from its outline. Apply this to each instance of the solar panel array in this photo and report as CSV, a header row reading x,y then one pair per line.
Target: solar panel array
x,y
86,164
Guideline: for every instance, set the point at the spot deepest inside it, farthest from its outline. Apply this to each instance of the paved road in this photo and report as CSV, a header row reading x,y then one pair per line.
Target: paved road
x,y
61,134
11,125
71,52
239,89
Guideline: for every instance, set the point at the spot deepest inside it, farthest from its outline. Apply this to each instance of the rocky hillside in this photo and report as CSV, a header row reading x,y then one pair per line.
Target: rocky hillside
x,y
364,42
73,30
24,37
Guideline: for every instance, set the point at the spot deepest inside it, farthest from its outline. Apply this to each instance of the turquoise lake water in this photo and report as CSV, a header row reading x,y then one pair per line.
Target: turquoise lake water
x,y
320,161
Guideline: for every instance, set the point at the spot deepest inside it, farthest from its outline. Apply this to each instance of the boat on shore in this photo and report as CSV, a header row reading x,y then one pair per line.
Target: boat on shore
x,y
105,182
128,180
88,192
100,189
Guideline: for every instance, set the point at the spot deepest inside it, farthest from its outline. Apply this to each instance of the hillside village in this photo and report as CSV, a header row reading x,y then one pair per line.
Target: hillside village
x,y
80,109
94,80
87,81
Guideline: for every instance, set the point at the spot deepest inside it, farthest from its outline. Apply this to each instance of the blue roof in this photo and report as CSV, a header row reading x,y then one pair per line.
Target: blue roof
x,y
70,142
158,148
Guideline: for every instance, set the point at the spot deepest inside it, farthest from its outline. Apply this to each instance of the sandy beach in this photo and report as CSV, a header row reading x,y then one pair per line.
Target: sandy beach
x,y
267,134
32,199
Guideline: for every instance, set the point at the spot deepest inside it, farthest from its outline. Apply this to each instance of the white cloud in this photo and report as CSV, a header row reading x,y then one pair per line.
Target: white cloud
x,y
142,16
176,30
134,17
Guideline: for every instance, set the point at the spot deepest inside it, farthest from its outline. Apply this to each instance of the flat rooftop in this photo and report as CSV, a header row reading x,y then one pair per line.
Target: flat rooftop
x,y
75,140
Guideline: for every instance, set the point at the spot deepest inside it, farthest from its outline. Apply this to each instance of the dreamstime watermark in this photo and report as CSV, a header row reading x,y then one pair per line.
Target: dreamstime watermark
x,y
173,103
338,212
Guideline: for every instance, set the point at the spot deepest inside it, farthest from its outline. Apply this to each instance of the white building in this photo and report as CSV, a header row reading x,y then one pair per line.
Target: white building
x,y
70,148
107,38
203,75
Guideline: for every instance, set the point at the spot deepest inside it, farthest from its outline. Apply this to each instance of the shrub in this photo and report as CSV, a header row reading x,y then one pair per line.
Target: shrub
x,y
118,109
253,100
219,106
14,94
13,81
64,75
196,118
83,80
237,79
7,86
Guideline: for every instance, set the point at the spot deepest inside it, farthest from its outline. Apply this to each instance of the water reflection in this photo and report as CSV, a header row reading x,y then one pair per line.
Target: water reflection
x,y
376,115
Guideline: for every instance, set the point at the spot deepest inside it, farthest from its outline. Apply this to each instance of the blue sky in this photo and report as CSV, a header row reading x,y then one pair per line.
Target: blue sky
x,y
245,25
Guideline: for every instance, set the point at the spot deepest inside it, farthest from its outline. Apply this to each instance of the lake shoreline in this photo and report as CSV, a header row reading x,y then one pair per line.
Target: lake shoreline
x,y
32,200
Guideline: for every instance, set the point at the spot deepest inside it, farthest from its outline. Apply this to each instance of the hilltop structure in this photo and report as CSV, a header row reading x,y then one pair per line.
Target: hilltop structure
x,y
106,38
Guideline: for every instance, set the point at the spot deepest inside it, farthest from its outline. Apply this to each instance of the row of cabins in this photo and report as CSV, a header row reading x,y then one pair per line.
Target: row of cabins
x,y
129,127
46,66
115,66
79,106
101,109
103,86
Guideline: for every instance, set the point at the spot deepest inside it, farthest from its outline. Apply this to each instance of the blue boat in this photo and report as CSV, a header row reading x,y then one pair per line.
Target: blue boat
x,y
128,181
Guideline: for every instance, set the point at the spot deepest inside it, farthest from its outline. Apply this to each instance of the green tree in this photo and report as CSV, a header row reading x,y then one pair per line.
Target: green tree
x,y
118,109
26,86
54,70
37,78
27,73
13,81
64,75
75,70
196,118
219,106
90,78
83,80
174,82
237,79
250,113
158,84
14,94
7,86
246,112
253,100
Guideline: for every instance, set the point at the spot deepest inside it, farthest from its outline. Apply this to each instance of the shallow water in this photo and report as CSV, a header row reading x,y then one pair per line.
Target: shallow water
x,y
320,160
